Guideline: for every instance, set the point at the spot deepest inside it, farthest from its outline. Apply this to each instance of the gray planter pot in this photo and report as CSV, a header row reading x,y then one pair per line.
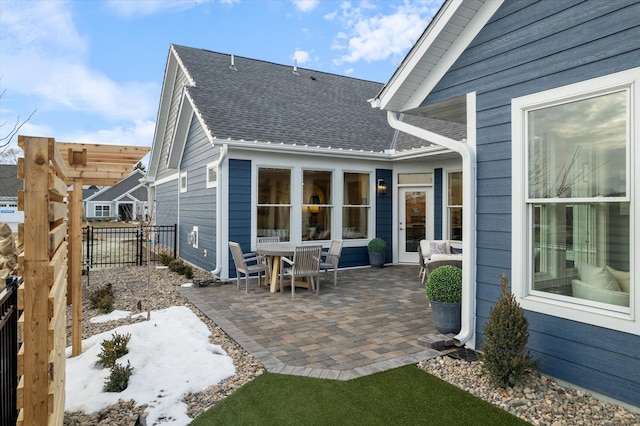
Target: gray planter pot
x,y
447,316
376,258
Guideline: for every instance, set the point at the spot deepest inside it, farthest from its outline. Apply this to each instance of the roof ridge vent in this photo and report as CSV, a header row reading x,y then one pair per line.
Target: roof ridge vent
x,y
233,63
295,66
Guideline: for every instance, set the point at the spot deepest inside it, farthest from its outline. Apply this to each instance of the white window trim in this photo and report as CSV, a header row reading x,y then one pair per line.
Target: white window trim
x,y
520,236
183,180
211,184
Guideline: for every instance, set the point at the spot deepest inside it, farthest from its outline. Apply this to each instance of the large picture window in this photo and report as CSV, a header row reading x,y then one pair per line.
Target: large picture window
x,y
356,206
317,205
574,198
274,203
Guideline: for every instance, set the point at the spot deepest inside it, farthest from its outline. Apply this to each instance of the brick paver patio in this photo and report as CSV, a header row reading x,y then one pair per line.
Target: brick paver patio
x,y
375,320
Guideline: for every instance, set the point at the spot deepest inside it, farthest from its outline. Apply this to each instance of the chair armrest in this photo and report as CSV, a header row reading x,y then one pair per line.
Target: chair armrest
x,y
286,260
256,259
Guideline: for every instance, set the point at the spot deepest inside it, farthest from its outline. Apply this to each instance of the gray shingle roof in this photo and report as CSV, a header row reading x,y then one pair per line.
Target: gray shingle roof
x,y
265,101
9,182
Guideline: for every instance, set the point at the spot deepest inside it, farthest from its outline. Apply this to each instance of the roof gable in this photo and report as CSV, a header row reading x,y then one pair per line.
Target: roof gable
x,y
126,185
450,32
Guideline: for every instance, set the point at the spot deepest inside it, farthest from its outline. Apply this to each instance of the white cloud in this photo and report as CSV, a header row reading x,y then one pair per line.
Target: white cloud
x,y
381,36
135,133
301,56
305,5
43,55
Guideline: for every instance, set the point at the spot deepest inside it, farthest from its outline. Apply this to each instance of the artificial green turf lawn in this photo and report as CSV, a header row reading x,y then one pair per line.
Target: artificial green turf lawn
x,y
403,396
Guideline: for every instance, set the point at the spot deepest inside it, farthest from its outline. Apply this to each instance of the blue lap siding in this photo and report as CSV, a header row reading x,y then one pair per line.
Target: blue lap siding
x,y
239,207
528,47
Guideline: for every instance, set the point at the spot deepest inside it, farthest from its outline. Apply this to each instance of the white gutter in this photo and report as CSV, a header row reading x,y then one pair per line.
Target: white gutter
x,y
467,332
219,258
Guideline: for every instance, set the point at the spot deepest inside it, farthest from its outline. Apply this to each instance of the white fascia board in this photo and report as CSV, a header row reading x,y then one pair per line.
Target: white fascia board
x,y
179,138
433,36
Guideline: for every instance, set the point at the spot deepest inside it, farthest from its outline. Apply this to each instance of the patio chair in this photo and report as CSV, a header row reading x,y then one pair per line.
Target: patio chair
x,y
331,260
243,267
305,263
268,240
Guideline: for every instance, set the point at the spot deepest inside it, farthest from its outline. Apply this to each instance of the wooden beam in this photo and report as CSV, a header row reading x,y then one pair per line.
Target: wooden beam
x,y
75,266
36,296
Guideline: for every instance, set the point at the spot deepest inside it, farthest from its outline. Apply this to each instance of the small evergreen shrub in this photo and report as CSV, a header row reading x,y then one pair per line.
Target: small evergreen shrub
x,y
102,299
445,284
188,272
505,358
113,349
118,380
377,245
164,258
177,266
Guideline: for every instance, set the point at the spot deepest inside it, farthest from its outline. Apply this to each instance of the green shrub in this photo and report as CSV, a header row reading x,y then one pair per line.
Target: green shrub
x,y
188,272
102,299
118,380
113,349
177,266
377,245
505,357
445,284
164,258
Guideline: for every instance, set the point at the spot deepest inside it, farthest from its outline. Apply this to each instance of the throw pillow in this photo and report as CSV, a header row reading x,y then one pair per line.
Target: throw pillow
x,y
597,277
622,277
439,247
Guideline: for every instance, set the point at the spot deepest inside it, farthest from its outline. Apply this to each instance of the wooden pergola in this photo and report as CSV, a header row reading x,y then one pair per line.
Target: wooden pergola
x,y
89,164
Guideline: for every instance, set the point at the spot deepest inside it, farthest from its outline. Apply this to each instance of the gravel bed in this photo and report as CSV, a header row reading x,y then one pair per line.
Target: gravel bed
x,y
539,400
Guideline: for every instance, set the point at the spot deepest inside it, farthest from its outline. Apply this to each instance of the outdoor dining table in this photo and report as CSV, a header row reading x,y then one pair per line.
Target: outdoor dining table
x,y
275,252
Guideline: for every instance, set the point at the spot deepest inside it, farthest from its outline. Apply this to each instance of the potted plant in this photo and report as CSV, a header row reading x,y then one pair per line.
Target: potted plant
x,y
444,291
377,249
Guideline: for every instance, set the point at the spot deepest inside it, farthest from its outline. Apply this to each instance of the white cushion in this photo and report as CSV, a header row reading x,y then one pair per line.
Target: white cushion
x,y
587,291
446,256
597,277
621,277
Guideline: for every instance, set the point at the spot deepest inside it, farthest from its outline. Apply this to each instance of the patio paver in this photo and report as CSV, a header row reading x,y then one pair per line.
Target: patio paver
x,y
375,320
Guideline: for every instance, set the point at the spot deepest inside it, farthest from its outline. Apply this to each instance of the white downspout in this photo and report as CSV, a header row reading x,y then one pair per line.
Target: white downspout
x,y
219,218
467,332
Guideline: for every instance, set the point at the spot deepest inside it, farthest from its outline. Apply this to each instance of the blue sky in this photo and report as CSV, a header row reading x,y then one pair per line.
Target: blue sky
x,y
93,69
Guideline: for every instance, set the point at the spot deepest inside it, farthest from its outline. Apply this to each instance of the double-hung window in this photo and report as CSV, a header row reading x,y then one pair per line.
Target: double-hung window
x,y
356,206
274,203
573,201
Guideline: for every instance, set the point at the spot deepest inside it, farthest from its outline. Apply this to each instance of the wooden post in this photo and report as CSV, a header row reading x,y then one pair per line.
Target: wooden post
x,y
36,292
75,266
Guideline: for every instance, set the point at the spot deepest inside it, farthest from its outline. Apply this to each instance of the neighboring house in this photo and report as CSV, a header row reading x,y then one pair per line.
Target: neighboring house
x,y
550,94
9,187
125,201
245,148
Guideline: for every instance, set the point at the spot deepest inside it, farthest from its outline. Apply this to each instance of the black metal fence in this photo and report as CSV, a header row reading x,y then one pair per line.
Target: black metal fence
x,y
9,352
113,246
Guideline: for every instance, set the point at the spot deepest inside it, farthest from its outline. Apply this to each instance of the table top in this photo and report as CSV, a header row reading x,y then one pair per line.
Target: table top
x,y
276,249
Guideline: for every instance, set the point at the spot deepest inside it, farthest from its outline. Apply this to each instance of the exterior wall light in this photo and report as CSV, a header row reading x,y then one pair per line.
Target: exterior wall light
x,y
382,186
